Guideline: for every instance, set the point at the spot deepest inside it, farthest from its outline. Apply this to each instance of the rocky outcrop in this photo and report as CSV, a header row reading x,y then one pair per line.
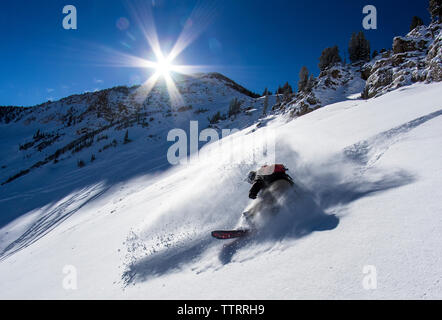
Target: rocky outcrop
x,y
402,45
417,57
332,85
433,60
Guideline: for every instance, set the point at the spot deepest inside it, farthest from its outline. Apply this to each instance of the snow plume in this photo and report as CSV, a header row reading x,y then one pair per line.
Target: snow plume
x,y
178,231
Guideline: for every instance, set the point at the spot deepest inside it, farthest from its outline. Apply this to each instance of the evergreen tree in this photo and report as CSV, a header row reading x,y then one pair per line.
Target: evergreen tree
x,y
329,57
126,137
375,54
287,89
265,93
234,107
352,47
80,163
216,118
435,9
365,47
279,91
266,105
359,48
303,79
37,135
310,83
416,22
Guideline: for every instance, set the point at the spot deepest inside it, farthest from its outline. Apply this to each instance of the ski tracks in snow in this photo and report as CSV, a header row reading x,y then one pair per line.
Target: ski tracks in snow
x,y
53,217
368,152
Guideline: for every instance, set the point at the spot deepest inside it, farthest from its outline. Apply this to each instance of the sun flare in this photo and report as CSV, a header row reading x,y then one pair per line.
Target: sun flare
x,y
164,66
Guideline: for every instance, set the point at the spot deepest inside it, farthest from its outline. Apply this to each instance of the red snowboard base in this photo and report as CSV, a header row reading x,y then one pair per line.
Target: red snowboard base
x,y
229,234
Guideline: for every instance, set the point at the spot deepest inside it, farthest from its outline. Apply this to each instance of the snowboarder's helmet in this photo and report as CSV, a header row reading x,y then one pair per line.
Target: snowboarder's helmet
x,y
251,177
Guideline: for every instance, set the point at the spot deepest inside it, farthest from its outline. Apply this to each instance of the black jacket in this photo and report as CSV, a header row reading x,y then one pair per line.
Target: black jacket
x,y
262,182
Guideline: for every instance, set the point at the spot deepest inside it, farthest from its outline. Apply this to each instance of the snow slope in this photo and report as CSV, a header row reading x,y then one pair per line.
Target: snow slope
x,y
369,190
46,142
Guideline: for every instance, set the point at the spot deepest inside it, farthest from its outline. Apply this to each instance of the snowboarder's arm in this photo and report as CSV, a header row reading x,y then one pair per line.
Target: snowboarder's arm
x,y
289,179
257,186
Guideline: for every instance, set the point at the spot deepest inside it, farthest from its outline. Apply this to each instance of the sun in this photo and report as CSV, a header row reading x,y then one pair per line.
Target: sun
x,y
164,66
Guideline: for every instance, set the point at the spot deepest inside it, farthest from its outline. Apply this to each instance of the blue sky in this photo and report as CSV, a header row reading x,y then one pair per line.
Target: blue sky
x,y
257,43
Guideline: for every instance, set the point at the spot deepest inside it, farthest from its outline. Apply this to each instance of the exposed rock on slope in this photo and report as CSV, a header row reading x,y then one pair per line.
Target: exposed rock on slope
x,y
417,57
332,85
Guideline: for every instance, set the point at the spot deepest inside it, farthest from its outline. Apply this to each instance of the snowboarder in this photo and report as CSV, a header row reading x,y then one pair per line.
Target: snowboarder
x,y
265,176
270,181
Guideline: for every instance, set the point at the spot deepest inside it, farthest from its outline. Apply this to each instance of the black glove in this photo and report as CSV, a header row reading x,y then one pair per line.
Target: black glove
x,y
257,186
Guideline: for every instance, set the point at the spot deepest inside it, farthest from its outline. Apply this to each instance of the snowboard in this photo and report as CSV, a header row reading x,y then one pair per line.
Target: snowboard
x,y
229,234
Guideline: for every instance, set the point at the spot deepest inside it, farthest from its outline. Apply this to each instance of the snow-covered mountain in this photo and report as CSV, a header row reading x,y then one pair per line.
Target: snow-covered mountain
x,y
80,141
62,130
80,199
